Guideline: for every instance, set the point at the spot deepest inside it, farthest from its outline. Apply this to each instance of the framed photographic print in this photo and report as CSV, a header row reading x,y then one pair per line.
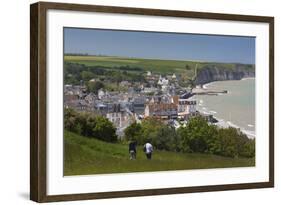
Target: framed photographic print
x,y
134,102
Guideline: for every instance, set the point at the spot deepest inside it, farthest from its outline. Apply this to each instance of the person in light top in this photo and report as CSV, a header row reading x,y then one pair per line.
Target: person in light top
x,y
148,149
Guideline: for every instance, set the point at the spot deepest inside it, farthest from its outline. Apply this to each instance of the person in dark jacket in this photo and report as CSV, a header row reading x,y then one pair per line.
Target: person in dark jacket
x,y
133,150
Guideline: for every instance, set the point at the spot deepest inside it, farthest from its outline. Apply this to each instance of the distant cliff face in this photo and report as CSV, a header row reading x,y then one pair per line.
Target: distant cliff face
x,y
210,73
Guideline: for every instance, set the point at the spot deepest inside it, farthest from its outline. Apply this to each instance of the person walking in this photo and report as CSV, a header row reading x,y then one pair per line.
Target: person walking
x,y
133,150
148,149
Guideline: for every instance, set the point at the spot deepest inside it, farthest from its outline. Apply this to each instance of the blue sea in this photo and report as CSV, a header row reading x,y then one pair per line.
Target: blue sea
x,y
236,108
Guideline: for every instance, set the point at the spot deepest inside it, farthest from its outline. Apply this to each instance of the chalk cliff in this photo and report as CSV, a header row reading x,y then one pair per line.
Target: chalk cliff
x,y
210,73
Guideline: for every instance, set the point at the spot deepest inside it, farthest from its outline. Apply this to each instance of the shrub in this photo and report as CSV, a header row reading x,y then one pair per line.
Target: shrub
x,y
195,136
162,136
94,86
199,136
104,130
133,132
88,125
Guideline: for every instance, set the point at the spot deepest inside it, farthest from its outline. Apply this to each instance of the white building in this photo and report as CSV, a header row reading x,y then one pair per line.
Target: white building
x,y
163,81
186,107
149,90
121,121
161,110
92,80
117,118
101,94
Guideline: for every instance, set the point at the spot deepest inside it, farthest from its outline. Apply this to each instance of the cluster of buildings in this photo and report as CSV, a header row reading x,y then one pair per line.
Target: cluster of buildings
x,y
156,99
165,84
171,107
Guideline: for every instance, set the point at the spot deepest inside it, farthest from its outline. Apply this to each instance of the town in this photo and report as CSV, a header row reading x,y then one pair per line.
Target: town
x,y
141,101
159,97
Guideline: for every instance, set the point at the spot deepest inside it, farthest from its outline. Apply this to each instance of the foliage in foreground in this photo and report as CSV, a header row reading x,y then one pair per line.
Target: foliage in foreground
x,y
199,136
88,125
196,137
84,155
162,137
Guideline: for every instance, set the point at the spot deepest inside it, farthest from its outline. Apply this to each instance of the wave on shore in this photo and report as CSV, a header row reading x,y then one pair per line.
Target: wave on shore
x,y
203,107
225,124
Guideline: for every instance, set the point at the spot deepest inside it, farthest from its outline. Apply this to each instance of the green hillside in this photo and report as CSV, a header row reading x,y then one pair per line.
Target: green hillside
x,y
156,65
84,156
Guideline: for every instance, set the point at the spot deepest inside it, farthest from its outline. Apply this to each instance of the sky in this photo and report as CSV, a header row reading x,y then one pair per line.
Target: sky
x,y
156,45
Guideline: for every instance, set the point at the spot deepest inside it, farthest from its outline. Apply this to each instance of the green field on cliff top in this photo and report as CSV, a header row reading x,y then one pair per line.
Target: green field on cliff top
x,y
154,65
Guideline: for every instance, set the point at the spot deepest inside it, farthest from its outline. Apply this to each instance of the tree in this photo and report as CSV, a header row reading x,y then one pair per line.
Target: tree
x,y
162,136
95,86
133,132
185,139
150,130
199,136
104,130
89,125
70,121
88,121
167,139
187,67
195,135
231,142
248,149
86,75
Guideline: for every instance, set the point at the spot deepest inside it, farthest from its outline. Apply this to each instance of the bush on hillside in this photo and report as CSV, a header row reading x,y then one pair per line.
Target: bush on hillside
x,y
199,136
88,125
162,136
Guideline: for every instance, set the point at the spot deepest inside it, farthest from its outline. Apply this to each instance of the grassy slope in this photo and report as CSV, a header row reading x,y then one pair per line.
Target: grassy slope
x,y
90,156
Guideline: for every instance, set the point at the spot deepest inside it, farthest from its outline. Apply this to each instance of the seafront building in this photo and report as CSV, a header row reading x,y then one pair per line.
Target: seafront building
x,y
173,109
161,110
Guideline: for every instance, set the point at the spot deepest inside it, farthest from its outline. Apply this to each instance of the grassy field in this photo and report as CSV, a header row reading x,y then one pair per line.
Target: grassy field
x,y
155,65
84,156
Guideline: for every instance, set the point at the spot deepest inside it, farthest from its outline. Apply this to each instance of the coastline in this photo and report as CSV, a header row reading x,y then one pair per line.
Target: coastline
x,y
205,86
223,123
248,78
